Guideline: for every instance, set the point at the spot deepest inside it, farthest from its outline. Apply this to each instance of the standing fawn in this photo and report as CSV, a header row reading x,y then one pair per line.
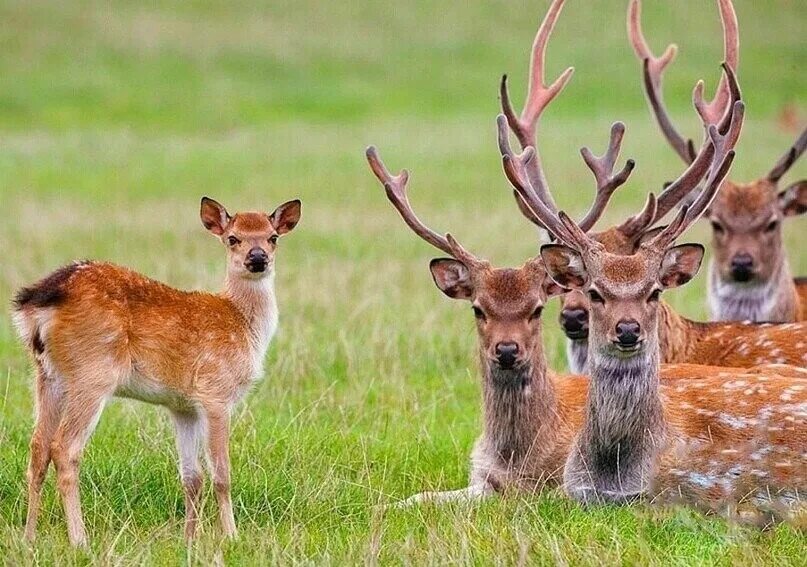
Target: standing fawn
x,y
749,277
96,330
715,438
681,339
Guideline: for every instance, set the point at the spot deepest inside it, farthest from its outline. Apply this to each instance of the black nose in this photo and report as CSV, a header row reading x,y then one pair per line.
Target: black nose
x,y
574,323
627,332
742,267
256,260
506,354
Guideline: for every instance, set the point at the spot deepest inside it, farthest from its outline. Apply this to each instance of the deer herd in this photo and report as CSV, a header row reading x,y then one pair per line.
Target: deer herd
x,y
660,408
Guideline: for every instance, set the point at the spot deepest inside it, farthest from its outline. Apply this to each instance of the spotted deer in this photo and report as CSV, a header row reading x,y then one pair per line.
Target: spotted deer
x,y
749,276
96,330
712,437
735,344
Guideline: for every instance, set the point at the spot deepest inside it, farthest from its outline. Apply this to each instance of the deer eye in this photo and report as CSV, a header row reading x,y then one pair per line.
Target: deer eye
x,y
773,225
478,313
595,297
654,296
537,313
273,239
232,241
717,227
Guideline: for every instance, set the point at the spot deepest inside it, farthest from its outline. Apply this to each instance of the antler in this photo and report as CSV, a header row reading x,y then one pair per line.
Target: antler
x,y
675,192
653,69
790,157
602,168
720,152
540,212
539,95
395,186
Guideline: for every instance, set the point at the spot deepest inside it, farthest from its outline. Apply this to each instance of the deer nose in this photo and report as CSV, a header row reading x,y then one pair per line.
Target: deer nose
x,y
506,354
742,267
574,323
256,260
627,332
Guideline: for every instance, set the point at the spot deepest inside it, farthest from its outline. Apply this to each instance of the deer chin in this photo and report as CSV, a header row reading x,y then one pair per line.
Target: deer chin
x,y
517,376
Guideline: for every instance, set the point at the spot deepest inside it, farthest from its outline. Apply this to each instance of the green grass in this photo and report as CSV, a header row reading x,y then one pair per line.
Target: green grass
x,y
116,117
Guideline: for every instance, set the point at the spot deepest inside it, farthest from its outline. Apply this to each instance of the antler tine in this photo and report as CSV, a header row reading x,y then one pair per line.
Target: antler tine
x,y
395,186
515,168
653,70
642,220
676,191
729,78
712,112
790,157
720,163
602,168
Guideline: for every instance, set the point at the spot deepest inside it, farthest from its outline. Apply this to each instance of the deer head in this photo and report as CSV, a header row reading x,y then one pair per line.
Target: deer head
x,y
250,237
507,303
746,218
623,289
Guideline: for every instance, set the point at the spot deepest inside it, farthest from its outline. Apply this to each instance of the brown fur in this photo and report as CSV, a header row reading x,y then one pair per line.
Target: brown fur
x,y
97,330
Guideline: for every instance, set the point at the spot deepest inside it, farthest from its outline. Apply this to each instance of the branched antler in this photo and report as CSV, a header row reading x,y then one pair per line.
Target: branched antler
x,y
607,182
790,157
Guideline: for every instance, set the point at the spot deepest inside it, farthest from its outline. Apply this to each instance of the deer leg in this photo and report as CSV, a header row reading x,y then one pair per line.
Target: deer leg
x,y
189,437
218,446
80,415
48,414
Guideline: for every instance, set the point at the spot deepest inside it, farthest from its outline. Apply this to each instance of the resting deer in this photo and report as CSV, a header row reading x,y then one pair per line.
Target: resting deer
x,y
681,339
710,436
96,330
749,277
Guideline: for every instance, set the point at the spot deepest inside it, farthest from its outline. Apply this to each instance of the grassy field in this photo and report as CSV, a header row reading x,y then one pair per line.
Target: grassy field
x,y
115,118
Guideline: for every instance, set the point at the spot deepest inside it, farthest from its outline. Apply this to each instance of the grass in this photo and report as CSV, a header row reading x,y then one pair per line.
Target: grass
x,y
116,117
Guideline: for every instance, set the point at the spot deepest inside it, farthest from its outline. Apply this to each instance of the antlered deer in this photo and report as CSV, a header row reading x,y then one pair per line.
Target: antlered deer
x,y
681,340
749,277
530,415
708,436
96,330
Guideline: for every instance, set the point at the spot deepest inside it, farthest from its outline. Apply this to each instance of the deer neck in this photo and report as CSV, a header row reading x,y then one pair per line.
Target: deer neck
x,y
773,300
256,301
624,419
577,355
520,409
677,335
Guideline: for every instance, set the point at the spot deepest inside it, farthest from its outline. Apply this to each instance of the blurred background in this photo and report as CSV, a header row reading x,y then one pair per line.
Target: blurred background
x,y
116,117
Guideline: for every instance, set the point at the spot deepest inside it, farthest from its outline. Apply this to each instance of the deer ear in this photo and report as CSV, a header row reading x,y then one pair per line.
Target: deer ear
x,y
680,264
793,200
552,289
215,217
452,277
564,265
286,216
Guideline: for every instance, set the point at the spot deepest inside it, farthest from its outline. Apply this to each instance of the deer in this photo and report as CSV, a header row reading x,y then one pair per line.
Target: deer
x,y
749,277
96,330
717,438
734,344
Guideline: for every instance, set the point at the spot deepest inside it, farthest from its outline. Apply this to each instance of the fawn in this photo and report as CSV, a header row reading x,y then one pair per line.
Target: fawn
x,y
711,437
749,277
96,330
681,339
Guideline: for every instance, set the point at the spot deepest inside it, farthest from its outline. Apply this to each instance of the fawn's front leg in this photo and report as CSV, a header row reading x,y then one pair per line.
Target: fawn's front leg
x,y
189,428
218,446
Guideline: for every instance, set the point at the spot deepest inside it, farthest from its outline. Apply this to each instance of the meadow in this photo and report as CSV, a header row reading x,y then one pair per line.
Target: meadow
x,y
116,117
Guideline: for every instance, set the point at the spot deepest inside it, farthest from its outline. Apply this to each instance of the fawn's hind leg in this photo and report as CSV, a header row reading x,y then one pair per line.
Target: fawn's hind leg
x,y
80,415
48,413
189,429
